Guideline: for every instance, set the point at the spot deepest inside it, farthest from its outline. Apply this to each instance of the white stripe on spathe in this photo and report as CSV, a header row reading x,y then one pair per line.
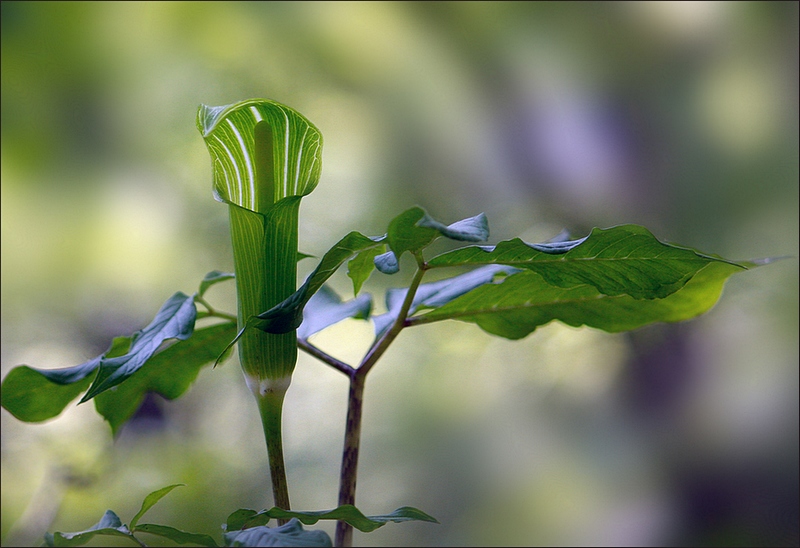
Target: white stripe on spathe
x,y
232,194
286,155
251,180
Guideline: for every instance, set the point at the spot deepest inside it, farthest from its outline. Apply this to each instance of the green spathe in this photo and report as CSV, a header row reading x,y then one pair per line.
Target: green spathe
x,y
265,157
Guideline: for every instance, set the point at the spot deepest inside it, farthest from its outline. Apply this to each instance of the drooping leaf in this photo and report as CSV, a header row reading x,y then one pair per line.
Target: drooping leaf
x,y
436,294
623,260
109,524
414,230
176,535
387,263
289,313
326,308
525,300
473,229
151,499
291,534
361,266
346,512
35,395
175,320
169,372
213,277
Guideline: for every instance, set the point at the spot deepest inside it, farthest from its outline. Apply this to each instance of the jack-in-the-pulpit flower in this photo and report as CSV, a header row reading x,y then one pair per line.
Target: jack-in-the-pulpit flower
x,y
266,157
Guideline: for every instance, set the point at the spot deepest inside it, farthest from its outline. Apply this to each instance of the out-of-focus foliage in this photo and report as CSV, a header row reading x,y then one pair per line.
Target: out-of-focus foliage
x,y
677,116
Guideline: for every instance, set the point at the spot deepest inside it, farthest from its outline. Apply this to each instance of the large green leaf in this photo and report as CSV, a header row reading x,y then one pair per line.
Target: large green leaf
x,y
175,320
623,260
170,372
346,512
290,534
35,395
525,300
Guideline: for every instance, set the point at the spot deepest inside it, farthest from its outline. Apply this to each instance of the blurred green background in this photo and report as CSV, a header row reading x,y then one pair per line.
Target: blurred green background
x,y
679,116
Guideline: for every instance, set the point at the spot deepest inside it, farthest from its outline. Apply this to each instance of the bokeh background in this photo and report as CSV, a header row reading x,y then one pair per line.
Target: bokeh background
x,y
679,116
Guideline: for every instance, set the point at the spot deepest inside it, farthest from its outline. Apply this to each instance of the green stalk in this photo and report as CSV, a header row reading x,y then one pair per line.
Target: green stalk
x,y
265,157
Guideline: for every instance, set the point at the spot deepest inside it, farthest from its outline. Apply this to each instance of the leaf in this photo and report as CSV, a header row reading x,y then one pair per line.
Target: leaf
x,y
245,517
176,535
35,395
404,234
291,534
387,263
109,524
524,301
474,229
289,314
213,277
346,512
175,320
623,260
414,230
326,308
169,372
151,500
436,294
361,266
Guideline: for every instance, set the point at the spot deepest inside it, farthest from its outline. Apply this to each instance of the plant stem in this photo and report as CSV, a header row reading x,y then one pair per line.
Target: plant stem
x,y
270,405
352,436
349,470
340,366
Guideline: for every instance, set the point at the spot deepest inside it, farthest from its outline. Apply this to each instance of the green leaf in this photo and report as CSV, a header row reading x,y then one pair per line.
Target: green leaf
x,y
35,395
176,535
346,512
473,229
414,230
170,372
361,266
175,320
151,500
524,301
109,524
326,308
436,294
213,277
289,313
291,534
623,260
245,517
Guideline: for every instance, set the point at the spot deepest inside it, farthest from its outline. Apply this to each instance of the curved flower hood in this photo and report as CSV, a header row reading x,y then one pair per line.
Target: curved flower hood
x,y
239,138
